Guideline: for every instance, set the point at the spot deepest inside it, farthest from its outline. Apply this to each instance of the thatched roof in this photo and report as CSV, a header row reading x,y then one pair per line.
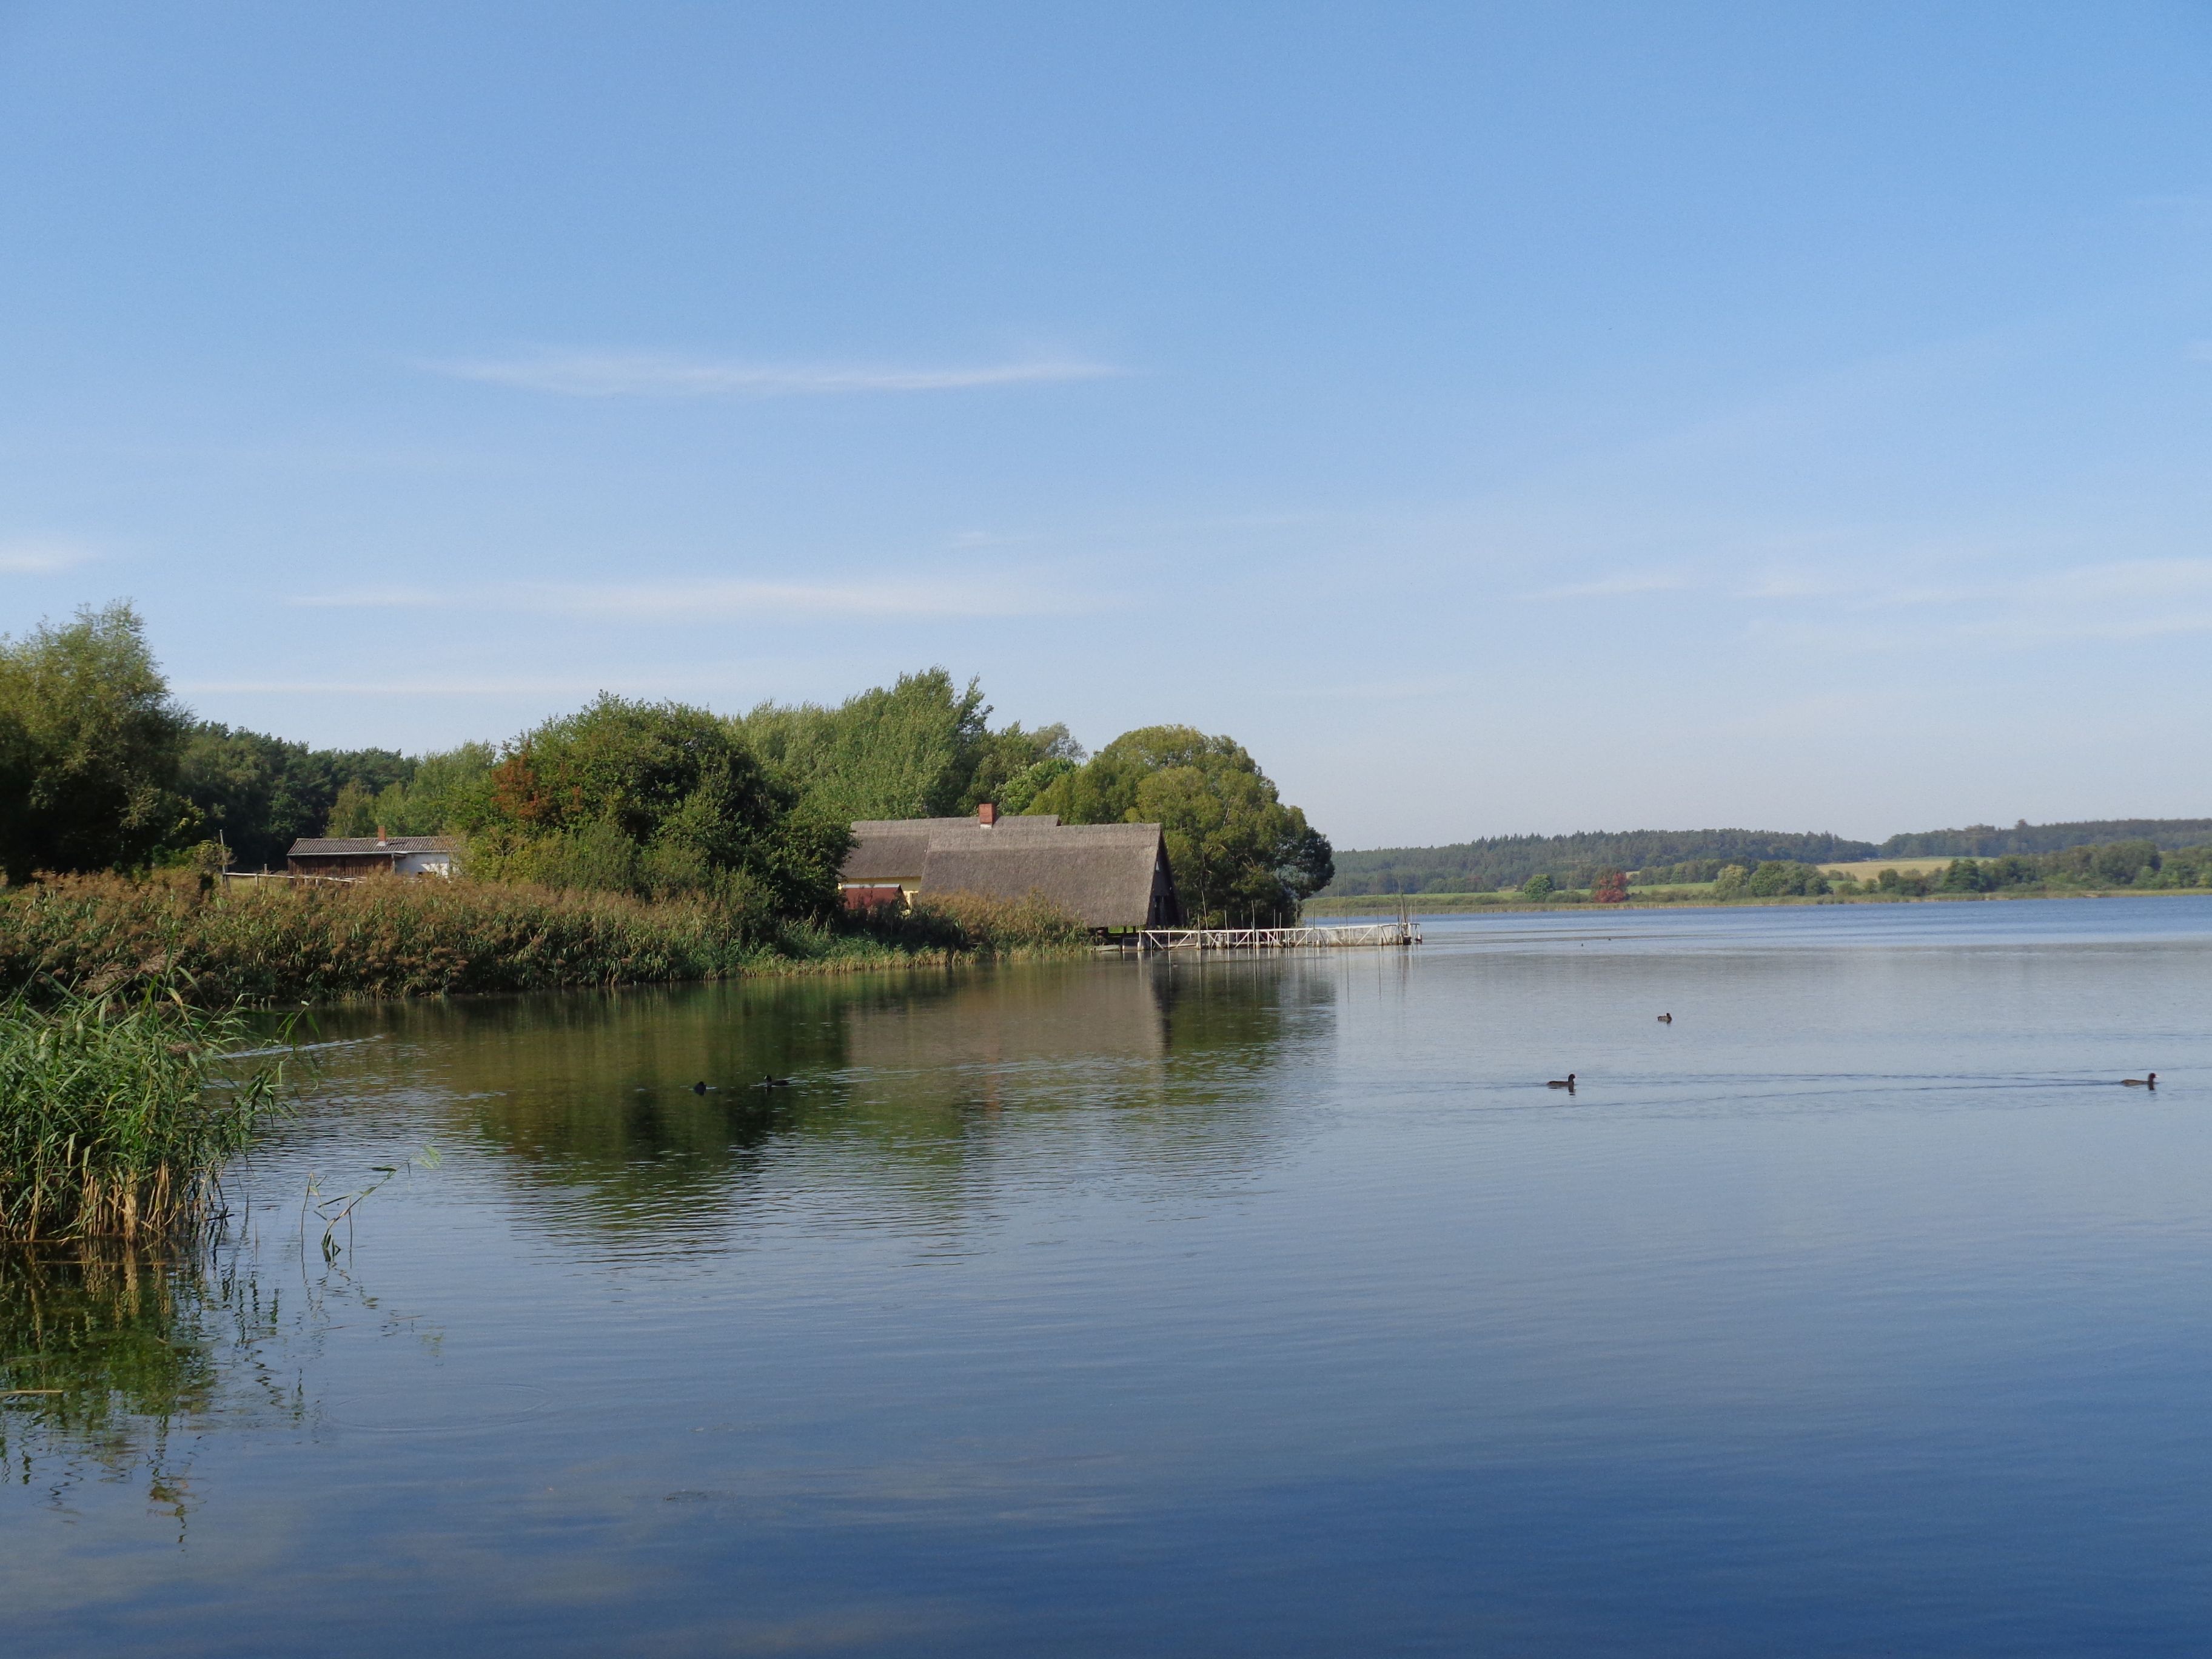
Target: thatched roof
x,y
885,858
1109,875
356,846
936,830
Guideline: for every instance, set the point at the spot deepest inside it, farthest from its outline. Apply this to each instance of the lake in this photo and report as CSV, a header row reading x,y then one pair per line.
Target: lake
x,y
1236,1307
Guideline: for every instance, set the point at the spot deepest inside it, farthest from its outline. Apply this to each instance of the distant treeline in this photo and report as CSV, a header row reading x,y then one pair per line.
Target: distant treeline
x,y
1480,867
2141,864
1658,856
1980,840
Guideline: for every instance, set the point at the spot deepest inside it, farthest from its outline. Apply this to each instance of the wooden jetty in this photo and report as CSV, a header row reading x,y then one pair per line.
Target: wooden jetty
x,y
1381,934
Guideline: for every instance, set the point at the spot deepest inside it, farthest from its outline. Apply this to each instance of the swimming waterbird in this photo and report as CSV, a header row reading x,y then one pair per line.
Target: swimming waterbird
x,y
1666,1020
2151,1082
1566,1083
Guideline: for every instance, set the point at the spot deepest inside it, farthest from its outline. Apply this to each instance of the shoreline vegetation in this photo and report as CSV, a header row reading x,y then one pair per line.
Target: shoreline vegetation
x,y
1444,904
2097,870
284,944
1500,862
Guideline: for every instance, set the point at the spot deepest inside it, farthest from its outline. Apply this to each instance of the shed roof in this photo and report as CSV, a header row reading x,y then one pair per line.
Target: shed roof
x,y
939,828
1104,873
1104,884
885,858
329,847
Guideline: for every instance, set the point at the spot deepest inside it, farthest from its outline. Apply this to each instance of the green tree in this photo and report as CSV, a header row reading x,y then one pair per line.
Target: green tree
x,y
1235,848
1010,766
921,748
904,752
1539,887
659,799
260,793
440,790
1782,878
89,744
1019,792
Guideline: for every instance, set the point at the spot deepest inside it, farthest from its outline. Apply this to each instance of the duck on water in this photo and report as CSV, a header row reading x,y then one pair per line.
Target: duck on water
x,y
2150,1081
1566,1083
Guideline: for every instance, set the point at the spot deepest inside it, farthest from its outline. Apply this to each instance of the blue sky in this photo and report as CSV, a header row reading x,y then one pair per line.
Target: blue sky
x,y
1500,418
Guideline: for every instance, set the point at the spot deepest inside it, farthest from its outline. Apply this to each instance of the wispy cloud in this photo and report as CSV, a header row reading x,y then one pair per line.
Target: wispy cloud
x,y
1794,585
1621,587
2120,600
42,558
1411,688
717,599
643,374
1822,710
2126,599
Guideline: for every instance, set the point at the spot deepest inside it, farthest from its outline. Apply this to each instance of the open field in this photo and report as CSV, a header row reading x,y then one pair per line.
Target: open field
x,y
1867,869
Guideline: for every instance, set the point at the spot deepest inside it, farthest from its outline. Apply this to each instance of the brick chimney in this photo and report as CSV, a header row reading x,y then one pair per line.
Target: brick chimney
x,y
380,834
987,814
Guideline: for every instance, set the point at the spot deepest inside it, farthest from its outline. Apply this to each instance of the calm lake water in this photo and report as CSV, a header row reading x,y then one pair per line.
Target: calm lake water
x,y
1247,1307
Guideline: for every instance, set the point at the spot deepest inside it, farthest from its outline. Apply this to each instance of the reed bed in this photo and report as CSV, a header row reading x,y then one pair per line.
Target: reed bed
x,y
117,1115
290,944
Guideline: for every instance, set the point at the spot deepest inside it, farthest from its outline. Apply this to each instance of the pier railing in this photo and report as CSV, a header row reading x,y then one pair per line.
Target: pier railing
x,y
1384,935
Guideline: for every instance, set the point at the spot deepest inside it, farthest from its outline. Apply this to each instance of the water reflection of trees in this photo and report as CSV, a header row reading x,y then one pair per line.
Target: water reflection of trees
x,y
920,1084
110,1360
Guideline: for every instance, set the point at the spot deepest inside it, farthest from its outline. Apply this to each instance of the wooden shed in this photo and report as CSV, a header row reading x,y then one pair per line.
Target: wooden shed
x,y
374,855
1113,877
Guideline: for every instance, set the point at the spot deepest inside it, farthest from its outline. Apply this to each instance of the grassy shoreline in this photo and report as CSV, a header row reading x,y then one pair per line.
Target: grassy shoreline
x,y
101,935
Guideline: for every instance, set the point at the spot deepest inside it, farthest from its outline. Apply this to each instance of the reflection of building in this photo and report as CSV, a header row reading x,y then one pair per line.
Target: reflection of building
x,y
374,855
923,1048
1110,876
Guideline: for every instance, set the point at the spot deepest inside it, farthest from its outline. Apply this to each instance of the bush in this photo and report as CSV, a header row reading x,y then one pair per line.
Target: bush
x,y
655,800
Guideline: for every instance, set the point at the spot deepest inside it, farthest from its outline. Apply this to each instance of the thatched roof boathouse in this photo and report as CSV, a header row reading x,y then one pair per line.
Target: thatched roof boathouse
x,y
1114,877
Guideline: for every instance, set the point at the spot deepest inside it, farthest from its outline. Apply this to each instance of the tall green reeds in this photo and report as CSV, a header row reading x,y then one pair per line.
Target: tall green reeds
x,y
397,937
117,1115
